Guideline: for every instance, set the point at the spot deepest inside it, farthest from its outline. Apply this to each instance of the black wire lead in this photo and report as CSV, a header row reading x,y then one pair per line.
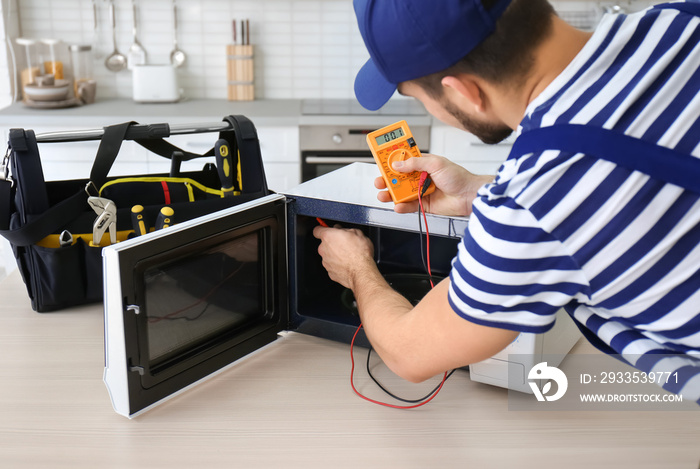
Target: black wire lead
x,y
408,401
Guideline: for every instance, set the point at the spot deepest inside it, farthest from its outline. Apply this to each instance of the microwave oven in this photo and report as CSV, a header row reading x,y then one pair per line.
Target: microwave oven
x,y
184,303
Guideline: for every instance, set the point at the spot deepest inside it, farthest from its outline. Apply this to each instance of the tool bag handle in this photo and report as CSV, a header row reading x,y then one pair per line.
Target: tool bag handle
x,y
657,161
40,224
114,135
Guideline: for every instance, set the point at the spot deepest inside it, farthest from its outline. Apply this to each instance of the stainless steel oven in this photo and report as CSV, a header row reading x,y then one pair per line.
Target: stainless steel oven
x,y
332,132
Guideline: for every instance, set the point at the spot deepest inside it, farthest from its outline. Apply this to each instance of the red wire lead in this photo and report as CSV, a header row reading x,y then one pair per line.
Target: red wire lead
x,y
421,191
393,406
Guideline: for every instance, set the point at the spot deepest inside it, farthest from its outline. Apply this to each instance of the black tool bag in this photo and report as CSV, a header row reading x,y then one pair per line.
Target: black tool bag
x,y
50,224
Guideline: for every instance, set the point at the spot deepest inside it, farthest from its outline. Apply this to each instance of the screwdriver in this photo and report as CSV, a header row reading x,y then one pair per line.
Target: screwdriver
x,y
165,218
224,164
138,220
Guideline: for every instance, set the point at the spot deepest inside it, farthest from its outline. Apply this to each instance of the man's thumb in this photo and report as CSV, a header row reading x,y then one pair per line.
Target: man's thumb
x,y
408,165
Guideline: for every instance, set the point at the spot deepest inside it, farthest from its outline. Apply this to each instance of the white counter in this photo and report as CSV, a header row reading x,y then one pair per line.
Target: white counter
x,y
263,113
113,111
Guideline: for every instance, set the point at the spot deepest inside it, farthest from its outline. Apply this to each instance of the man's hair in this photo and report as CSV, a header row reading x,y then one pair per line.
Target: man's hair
x,y
507,55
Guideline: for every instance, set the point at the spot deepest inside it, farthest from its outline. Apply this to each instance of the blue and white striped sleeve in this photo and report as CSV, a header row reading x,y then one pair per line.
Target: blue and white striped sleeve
x,y
509,272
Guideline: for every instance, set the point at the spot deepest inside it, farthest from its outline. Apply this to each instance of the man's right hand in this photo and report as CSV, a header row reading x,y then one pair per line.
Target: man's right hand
x,y
455,186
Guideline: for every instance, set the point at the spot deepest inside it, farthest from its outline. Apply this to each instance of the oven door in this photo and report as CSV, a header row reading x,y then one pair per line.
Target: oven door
x,y
315,163
183,303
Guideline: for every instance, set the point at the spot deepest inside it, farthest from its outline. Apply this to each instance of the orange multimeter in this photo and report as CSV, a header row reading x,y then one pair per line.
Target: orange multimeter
x,y
391,144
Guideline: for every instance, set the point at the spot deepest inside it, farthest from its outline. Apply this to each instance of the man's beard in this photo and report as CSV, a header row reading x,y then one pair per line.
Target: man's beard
x,y
486,132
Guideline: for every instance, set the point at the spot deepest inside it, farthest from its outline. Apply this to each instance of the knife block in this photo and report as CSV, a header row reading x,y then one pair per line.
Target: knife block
x,y
240,73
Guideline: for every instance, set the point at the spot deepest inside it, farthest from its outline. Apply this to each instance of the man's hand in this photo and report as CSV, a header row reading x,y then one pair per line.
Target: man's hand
x,y
415,342
455,186
346,253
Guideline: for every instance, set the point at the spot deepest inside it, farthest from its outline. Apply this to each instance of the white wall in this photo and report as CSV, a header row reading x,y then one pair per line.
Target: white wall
x,y
8,28
304,48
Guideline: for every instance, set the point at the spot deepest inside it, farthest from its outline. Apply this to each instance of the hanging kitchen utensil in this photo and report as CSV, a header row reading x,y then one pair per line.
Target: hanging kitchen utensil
x,y
97,54
177,56
137,54
116,61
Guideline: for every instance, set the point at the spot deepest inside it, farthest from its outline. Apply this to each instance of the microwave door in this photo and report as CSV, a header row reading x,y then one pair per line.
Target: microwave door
x,y
183,303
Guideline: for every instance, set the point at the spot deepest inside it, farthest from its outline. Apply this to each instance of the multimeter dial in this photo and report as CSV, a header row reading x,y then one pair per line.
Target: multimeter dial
x,y
398,155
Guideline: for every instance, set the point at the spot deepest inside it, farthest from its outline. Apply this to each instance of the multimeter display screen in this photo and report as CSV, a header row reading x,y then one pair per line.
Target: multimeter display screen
x,y
389,136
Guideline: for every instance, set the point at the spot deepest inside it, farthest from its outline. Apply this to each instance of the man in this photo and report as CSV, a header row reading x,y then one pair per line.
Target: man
x,y
616,247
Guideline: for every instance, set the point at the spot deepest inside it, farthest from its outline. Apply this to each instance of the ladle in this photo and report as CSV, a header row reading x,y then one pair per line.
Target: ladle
x,y
137,54
116,61
177,56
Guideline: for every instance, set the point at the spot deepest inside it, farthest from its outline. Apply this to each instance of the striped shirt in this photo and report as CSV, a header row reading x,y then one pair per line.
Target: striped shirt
x,y
618,249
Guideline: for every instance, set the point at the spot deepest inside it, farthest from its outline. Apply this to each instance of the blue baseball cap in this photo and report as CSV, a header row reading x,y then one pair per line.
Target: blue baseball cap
x,y
409,39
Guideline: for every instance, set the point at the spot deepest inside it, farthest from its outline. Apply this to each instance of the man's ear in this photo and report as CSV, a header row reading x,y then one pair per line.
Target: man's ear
x,y
466,87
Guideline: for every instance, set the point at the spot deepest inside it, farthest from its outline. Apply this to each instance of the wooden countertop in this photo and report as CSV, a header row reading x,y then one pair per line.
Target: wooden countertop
x,y
290,405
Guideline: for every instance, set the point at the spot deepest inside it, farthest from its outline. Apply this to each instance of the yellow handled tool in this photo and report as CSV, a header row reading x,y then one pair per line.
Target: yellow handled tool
x,y
165,218
224,165
138,220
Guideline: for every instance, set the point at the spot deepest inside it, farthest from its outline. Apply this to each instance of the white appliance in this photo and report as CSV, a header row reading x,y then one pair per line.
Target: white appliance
x,y
155,84
184,303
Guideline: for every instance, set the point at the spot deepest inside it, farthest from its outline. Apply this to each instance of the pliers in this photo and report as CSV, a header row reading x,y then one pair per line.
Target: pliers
x,y
106,219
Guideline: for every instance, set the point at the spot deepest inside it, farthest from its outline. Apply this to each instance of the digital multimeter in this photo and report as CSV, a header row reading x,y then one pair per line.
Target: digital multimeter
x,y
391,144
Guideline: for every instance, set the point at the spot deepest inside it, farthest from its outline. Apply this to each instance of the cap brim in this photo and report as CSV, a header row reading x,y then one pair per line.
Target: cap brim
x,y
372,90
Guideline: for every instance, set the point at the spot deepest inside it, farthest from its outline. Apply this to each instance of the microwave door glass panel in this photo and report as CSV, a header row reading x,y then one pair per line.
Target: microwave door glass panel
x,y
191,301
186,302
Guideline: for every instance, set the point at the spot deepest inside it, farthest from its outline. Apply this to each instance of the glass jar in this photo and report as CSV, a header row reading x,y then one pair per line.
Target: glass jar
x,y
54,56
28,61
84,84
81,55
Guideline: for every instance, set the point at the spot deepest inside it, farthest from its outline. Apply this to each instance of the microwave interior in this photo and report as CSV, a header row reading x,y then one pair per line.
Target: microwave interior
x,y
324,308
192,299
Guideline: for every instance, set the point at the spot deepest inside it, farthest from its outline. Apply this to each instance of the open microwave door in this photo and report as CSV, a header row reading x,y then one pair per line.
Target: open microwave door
x,y
183,303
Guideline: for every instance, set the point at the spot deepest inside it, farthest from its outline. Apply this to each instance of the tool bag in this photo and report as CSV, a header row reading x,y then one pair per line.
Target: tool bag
x,y
50,224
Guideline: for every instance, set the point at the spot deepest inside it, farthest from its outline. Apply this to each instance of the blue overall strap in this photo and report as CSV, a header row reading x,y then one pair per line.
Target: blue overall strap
x,y
658,162
691,7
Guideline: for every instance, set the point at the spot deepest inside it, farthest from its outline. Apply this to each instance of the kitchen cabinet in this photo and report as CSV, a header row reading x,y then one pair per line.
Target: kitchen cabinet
x,y
467,150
